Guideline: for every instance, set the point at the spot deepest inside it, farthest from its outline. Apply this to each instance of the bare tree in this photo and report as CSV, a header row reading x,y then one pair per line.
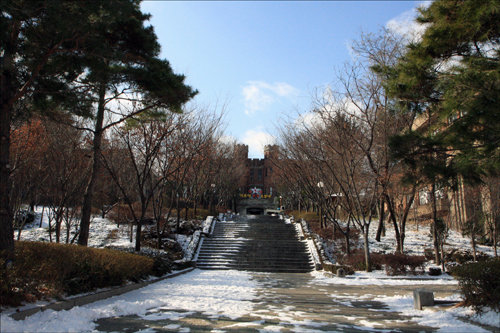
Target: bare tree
x,y
345,139
67,171
140,143
160,153
29,142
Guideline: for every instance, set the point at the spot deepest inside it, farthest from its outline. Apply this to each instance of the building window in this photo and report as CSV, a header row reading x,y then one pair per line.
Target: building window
x,y
423,196
439,192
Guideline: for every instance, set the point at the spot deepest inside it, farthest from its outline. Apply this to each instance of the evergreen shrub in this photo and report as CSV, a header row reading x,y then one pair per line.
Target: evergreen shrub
x,y
43,269
480,283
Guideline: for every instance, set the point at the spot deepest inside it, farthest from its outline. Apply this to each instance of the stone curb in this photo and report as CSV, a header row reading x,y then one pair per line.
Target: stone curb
x,y
83,300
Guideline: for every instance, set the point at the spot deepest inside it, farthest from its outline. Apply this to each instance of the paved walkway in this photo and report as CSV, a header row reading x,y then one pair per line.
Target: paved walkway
x,y
291,303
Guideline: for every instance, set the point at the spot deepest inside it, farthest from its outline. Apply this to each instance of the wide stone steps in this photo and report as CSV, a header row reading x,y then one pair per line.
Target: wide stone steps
x,y
261,244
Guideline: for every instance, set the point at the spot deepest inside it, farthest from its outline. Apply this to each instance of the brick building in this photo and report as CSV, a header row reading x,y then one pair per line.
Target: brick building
x,y
258,180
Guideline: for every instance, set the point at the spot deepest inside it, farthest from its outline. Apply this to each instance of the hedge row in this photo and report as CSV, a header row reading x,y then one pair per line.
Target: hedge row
x,y
394,264
48,269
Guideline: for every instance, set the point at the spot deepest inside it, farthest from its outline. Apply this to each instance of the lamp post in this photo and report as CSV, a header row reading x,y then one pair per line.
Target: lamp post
x,y
320,186
212,186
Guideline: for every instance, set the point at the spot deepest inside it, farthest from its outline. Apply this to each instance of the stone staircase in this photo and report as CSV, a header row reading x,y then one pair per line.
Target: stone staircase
x,y
258,243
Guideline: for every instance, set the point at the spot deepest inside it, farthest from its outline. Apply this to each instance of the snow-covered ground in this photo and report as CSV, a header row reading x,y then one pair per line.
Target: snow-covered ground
x,y
234,294
213,293
229,292
447,320
103,232
418,238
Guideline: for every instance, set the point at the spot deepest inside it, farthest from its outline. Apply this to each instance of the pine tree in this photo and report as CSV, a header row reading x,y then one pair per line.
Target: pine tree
x,y
453,74
451,77
64,57
37,39
121,62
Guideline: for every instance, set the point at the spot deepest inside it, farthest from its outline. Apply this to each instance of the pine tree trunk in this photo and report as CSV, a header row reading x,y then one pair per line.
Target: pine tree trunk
x,y
437,256
87,198
6,215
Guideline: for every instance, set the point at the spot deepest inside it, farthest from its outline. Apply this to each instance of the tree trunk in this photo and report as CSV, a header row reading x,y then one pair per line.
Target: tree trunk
x,y
347,236
41,217
367,250
473,242
381,225
195,204
6,217
67,234
87,198
404,218
158,235
138,234
495,238
170,208
59,217
178,216
320,210
392,217
50,230
347,245
437,256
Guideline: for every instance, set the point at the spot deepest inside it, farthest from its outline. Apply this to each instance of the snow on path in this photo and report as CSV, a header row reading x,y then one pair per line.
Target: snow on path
x,y
213,293
229,294
380,279
445,320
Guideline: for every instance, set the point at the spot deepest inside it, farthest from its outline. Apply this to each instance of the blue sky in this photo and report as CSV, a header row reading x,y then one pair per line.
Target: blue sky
x,y
263,59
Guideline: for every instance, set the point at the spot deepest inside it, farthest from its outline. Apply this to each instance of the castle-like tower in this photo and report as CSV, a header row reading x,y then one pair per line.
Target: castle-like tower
x,y
258,183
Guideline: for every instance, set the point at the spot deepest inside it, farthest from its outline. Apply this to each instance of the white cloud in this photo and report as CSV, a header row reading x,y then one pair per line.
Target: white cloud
x,y
308,120
405,23
331,105
256,140
227,139
259,95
